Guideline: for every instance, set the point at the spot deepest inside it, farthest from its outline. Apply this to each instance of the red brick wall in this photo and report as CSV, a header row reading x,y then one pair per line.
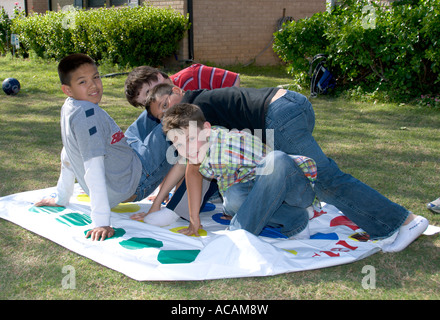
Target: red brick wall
x,y
229,31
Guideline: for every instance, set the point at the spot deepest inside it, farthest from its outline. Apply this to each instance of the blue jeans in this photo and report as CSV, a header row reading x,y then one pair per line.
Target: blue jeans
x,y
146,138
284,193
292,120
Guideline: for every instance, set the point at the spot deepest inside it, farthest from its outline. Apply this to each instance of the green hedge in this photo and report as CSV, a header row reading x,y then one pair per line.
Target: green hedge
x,y
5,30
125,36
389,50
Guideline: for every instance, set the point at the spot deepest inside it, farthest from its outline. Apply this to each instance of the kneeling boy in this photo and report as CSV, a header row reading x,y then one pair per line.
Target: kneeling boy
x,y
242,164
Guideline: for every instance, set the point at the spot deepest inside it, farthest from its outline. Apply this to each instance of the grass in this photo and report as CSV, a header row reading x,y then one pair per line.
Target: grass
x,y
393,148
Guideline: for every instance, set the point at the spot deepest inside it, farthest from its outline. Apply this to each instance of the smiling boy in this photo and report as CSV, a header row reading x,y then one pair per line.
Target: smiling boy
x,y
95,151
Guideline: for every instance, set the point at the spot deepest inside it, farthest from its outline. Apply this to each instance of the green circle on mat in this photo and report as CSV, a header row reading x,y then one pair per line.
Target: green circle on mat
x,y
140,243
75,219
119,232
46,209
177,256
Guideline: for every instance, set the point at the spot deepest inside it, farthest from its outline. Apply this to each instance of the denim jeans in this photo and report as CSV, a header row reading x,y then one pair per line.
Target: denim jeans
x,y
284,193
146,138
292,120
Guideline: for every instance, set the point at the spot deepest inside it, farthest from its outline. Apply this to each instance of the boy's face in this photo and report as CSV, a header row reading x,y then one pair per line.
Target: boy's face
x,y
85,84
192,142
146,87
163,103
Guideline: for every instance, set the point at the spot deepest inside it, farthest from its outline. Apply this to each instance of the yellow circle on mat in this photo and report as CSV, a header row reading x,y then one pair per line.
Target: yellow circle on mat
x,y
126,207
201,231
120,208
83,197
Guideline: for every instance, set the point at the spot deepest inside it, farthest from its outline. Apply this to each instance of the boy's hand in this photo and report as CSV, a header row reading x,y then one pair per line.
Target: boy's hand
x,y
50,202
139,216
191,230
100,233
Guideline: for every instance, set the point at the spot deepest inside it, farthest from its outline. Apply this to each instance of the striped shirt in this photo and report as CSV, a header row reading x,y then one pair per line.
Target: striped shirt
x,y
233,157
199,76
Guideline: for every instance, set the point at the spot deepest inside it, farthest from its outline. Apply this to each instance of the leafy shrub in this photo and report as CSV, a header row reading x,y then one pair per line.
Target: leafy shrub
x,y
126,36
5,30
300,40
44,34
430,101
396,52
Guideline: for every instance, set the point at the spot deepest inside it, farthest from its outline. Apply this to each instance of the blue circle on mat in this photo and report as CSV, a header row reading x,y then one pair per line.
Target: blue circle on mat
x,y
325,236
218,218
270,232
208,207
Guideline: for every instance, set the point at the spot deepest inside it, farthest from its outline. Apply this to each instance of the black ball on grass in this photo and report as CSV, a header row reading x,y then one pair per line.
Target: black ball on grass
x,y
11,86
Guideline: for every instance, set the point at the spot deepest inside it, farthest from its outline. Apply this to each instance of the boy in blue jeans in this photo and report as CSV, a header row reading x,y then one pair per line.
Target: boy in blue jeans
x,y
241,164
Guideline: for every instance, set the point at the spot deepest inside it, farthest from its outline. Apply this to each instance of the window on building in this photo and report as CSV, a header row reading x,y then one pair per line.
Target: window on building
x,y
99,3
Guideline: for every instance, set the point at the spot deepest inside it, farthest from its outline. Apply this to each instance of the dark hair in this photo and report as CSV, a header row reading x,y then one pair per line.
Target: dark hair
x,y
70,63
158,91
137,78
179,116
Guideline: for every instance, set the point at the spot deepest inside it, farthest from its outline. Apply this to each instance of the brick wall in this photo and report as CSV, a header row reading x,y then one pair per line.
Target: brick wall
x,y
179,5
229,31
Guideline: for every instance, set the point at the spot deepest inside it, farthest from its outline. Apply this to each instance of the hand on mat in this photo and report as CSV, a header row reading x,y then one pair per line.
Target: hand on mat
x,y
50,202
191,230
100,233
141,215
138,216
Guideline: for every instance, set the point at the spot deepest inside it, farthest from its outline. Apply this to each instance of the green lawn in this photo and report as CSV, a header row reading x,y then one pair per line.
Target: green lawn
x,y
395,149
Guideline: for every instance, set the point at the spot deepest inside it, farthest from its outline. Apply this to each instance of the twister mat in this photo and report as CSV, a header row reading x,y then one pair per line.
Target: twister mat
x,y
146,252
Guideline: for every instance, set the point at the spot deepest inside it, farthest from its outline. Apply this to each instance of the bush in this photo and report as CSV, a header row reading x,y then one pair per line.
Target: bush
x,y
430,101
125,36
371,47
5,31
300,40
